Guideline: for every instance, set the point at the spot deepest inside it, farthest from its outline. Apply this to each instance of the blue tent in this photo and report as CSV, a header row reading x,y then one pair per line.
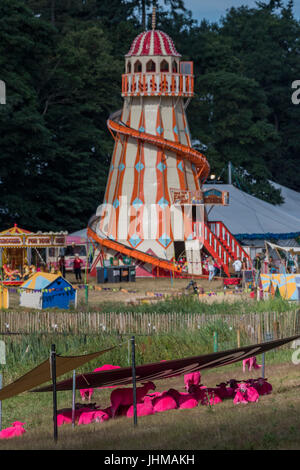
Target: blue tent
x,y
43,290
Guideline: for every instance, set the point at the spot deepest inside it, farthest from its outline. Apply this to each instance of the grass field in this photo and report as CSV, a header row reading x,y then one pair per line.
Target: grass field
x,y
272,423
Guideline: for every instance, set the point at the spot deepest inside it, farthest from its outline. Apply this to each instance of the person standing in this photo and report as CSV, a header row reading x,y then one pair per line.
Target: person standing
x,y
211,269
77,267
237,264
257,268
62,265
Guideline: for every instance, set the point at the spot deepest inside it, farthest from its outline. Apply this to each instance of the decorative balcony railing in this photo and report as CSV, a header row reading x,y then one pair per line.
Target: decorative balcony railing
x,y
157,84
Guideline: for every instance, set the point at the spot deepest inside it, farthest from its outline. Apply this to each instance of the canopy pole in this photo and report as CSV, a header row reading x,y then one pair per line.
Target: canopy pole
x,y
0,403
73,398
133,380
53,374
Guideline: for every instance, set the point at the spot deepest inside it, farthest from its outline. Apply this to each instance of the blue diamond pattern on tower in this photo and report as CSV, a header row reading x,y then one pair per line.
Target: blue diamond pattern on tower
x,y
159,130
134,240
163,203
116,203
121,166
142,129
139,166
180,166
137,203
165,240
175,130
161,166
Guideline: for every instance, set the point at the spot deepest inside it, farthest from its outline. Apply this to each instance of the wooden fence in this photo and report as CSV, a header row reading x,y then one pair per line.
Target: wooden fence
x,y
254,325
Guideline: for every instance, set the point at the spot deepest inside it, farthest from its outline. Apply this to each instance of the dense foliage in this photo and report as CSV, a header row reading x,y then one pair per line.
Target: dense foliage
x,y
62,63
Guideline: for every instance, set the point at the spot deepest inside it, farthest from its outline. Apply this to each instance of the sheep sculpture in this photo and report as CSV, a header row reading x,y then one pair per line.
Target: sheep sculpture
x,y
124,396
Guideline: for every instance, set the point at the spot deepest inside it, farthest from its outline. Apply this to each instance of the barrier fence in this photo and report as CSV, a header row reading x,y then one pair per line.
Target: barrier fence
x,y
253,325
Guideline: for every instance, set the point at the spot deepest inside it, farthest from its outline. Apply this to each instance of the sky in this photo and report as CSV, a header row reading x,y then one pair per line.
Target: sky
x,y
212,10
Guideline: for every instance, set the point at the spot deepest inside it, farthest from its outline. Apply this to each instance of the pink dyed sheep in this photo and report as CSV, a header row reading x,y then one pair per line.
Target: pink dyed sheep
x,y
184,400
164,402
191,379
124,396
262,386
143,409
86,417
245,393
102,415
250,363
15,430
86,393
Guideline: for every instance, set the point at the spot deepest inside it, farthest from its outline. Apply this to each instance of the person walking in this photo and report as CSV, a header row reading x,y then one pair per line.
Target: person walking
x,y
77,267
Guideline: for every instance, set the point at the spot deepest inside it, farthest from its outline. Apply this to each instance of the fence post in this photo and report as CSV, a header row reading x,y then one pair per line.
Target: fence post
x,y
133,381
73,398
215,341
238,334
53,374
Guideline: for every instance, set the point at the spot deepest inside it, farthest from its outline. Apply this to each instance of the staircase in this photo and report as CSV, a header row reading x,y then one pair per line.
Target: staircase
x,y
220,244
229,241
213,245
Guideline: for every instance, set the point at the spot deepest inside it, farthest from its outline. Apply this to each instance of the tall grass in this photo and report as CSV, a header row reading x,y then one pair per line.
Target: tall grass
x,y
26,351
191,304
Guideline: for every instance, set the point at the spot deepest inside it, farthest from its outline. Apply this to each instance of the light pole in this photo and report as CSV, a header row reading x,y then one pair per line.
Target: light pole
x,y
2,92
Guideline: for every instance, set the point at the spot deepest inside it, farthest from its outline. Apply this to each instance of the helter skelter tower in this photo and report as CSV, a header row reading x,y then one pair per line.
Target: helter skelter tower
x,y
153,162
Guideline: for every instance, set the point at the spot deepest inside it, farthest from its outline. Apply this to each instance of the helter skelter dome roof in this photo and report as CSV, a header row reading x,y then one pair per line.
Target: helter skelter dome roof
x,y
151,43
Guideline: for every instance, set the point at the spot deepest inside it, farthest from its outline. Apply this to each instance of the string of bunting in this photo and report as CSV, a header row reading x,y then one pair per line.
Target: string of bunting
x,y
66,289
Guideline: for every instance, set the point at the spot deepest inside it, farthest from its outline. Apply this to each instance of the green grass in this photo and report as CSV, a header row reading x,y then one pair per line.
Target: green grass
x,y
272,423
191,304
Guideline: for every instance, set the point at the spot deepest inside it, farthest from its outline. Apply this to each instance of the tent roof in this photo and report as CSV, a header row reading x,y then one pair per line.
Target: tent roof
x,y
41,280
80,236
248,216
291,200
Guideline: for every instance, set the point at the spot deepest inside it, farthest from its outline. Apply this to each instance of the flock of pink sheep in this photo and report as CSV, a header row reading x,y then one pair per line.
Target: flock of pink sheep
x,y
242,391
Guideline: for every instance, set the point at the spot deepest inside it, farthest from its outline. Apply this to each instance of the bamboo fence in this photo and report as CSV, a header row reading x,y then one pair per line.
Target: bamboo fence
x,y
253,325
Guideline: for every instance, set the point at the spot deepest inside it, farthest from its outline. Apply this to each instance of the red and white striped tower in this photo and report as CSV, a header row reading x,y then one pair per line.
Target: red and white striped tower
x,y
152,151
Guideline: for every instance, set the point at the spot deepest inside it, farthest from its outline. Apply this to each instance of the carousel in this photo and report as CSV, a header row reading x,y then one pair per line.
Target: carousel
x,y
22,252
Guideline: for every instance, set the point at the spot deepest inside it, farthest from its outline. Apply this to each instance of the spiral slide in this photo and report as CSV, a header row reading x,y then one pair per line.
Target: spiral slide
x,y
202,166
188,153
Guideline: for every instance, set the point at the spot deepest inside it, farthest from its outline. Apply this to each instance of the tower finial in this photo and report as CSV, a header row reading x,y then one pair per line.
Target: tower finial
x,y
153,16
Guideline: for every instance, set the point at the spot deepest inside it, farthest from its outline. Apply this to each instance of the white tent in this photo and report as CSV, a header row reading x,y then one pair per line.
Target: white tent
x,y
291,198
253,218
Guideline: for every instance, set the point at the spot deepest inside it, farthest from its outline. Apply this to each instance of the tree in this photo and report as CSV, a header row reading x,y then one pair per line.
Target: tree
x,y
25,140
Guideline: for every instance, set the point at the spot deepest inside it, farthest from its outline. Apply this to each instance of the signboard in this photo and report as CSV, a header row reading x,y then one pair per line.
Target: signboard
x,y
216,197
32,241
182,197
11,242
59,240
38,241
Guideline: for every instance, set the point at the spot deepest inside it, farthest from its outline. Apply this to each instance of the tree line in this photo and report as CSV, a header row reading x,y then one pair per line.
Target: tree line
x,y
62,62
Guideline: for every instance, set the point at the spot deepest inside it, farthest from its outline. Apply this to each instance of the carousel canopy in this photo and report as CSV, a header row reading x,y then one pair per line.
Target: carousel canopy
x,y
16,237
15,230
